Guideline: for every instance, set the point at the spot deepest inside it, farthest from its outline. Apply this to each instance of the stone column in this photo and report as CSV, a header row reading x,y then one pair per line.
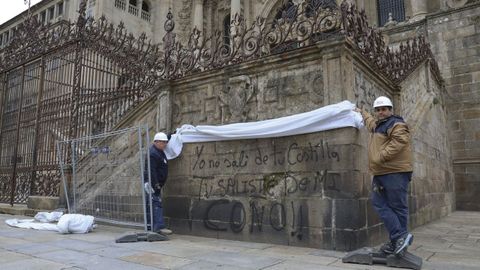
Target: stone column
x,y
198,15
419,9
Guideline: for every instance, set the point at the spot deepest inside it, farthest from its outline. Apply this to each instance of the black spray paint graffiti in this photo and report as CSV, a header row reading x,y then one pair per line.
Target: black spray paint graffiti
x,y
201,163
317,182
292,155
274,215
223,214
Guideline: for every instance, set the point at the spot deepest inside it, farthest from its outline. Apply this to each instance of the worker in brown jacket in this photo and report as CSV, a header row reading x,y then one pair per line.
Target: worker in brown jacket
x,y
390,163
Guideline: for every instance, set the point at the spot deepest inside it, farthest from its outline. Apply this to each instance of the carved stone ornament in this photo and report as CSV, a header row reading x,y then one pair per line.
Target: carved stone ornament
x,y
235,96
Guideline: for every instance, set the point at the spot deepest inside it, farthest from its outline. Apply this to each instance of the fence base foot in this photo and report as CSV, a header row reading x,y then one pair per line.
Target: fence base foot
x,y
370,256
137,237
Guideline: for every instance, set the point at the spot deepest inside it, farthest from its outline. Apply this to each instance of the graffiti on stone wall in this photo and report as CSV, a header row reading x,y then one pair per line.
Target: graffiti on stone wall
x,y
252,202
255,216
291,155
275,185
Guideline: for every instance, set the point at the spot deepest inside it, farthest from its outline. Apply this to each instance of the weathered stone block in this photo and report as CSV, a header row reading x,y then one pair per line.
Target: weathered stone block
x,y
176,207
42,202
349,240
350,213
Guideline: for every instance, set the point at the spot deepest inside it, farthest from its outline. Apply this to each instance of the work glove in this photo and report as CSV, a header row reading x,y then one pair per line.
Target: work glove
x,y
148,189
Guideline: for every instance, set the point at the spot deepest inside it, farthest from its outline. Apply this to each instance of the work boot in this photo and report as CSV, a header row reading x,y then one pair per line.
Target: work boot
x,y
402,244
388,248
164,231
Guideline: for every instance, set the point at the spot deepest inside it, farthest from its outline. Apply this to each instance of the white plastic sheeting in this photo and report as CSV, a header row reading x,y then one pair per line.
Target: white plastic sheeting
x,y
68,223
31,224
75,223
48,216
329,117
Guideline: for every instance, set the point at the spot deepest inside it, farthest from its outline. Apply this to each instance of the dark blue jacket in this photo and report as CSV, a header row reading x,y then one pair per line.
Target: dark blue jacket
x,y
383,126
158,168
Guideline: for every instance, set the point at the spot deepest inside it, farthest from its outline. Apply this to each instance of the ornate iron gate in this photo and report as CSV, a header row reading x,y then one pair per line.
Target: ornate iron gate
x,y
64,81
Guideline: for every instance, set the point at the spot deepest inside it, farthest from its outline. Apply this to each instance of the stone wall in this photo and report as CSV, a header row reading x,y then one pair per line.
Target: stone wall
x,y
454,36
307,190
423,107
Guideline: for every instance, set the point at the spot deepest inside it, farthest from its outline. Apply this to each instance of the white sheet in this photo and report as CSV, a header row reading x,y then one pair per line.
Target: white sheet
x,y
68,223
48,216
31,224
325,118
75,223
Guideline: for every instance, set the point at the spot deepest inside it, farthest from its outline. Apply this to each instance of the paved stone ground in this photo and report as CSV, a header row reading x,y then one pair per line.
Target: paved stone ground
x,y
451,243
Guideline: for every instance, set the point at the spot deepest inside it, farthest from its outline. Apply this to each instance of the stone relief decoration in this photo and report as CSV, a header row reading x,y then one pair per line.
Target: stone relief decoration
x,y
317,95
185,15
235,97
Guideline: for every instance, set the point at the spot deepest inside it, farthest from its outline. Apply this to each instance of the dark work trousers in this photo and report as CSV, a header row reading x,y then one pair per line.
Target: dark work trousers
x,y
389,198
158,222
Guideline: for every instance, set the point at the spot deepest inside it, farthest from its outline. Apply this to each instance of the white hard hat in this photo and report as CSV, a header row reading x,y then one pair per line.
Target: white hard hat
x,y
382,102
160,136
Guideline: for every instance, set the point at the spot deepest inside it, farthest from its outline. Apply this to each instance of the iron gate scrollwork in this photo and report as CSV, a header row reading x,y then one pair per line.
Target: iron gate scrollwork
x,y
68,80
61,81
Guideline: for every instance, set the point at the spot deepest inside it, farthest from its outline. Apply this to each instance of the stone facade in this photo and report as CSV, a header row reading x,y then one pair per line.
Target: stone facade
x,y
454,37
313,189
423,106
306,190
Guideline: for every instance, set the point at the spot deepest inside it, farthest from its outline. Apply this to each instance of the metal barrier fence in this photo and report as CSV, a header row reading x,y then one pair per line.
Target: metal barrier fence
x,y
104,177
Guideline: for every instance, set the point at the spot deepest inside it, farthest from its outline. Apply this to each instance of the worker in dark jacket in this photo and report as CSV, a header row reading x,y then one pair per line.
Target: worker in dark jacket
x,y
390,163
158,177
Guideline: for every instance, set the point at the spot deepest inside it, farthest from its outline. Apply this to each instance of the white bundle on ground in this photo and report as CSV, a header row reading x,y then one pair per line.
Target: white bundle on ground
x,y
75,223
325,118
48,216
68,223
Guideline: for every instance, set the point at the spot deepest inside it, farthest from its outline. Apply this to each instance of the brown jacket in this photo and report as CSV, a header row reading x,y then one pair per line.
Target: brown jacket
x,y
389,148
